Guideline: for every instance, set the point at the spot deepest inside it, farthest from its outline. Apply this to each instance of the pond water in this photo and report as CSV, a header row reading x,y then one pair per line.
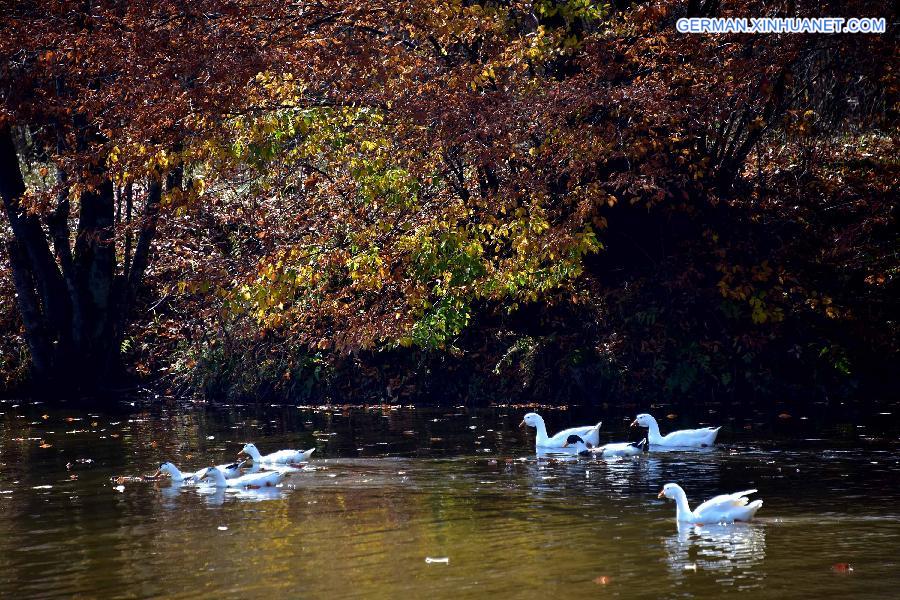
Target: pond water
x,y
393,487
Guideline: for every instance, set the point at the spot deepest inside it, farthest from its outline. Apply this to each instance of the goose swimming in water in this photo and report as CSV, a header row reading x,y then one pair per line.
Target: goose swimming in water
x,y
253,480
726,508
606,450
589,433
230,471
282,457
685,438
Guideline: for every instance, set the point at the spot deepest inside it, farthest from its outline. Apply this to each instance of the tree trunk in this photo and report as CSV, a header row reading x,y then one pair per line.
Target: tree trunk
x,y
35,329
30,237
95,270
73,305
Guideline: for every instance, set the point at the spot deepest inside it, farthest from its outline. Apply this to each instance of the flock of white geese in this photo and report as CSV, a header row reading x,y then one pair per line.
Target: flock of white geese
x,y
585,440
255,470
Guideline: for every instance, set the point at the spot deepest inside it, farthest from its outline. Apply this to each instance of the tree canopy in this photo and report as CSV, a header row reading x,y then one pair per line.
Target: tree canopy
x,y
450,198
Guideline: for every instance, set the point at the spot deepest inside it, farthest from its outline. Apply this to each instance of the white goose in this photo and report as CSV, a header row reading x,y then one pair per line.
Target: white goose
x,y
685,438
726,508
253,480
590,433
282,457
606,450
229,471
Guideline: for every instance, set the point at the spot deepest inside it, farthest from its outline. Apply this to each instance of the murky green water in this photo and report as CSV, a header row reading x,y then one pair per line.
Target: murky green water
x,y
393,487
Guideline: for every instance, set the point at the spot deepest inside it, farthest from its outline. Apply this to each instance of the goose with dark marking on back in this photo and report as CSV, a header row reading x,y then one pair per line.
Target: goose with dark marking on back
x,y
606,450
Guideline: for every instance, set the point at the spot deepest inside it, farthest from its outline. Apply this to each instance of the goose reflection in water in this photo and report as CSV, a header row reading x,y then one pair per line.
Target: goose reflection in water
x,y
560,454
554,472
170,493
215,496
624,474
723,549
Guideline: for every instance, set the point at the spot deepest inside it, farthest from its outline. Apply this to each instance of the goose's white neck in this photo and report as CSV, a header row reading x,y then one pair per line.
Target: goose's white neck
x,y
683,510
654,436
541,431
174,473
217,476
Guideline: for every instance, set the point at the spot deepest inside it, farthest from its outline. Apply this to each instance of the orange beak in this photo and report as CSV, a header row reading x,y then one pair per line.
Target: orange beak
x,y
661,494
242,453
522,424
157,474
566,445
634,423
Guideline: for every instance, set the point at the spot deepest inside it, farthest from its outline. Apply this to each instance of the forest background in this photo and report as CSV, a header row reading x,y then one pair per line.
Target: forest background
x,y
445,201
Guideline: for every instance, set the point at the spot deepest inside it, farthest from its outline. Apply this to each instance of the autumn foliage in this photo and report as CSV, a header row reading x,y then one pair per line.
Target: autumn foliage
x,y
561,200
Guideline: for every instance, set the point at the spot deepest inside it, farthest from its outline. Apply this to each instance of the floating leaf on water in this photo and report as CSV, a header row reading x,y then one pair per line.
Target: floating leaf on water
x,y
671,416
842,568
602,580
45,445
444,560
222,528
784,416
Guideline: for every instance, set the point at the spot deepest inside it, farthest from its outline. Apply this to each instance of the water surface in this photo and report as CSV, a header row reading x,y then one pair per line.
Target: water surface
x,y
392,487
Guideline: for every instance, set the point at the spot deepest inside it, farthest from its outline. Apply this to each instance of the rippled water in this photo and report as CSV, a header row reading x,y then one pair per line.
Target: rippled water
x,y
393,487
